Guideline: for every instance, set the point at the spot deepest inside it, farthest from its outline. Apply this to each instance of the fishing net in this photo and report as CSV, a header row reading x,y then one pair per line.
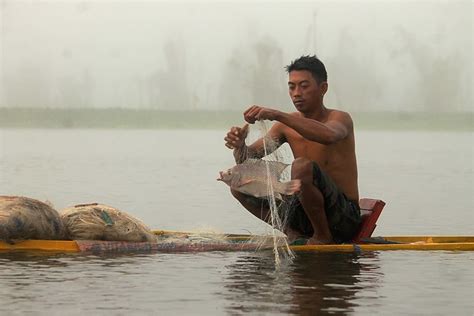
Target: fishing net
x,y
101,222
278,211
26,218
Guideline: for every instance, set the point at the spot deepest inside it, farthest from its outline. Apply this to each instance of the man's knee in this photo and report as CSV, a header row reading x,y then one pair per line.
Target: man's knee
x,y
247,200
239,196
235,193
302,168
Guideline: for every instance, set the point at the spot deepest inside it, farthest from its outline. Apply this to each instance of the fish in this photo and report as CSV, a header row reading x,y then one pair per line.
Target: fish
x,y
254,176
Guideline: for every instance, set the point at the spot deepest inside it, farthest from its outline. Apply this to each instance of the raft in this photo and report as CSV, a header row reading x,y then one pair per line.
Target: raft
x,y
176,242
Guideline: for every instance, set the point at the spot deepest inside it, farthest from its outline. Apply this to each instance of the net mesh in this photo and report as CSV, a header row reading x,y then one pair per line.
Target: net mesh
x,y
27,218
278,213
101,222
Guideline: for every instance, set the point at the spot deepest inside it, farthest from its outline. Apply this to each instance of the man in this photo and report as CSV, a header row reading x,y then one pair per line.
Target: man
x,y
322,142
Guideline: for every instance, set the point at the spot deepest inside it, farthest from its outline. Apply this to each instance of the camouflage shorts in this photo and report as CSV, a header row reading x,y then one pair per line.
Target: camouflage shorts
x,y
343,215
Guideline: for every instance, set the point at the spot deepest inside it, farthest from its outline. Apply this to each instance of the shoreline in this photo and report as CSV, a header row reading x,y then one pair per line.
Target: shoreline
x,y
206,119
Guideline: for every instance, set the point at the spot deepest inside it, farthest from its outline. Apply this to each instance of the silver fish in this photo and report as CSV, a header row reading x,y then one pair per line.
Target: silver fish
x,y
251,177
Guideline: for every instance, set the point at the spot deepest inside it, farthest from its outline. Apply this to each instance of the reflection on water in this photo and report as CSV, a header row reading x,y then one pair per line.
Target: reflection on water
x,y
327,282
36,281
219,283
312,283
253,284
167,179
243,282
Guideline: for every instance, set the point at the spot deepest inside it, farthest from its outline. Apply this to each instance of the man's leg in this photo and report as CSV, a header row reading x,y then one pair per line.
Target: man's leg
x,y
256,206
312,201
260,208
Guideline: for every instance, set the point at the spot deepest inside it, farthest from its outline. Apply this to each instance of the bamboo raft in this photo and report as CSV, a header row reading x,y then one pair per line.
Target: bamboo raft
x,y
173,242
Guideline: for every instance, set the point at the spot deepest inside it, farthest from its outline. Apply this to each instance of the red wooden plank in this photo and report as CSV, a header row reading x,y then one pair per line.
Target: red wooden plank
x,y
371,210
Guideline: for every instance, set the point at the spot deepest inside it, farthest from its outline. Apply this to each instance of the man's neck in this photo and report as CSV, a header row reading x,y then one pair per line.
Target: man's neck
x,y
319,113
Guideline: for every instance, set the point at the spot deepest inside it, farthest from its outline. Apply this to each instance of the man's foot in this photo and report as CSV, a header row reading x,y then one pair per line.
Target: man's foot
x,y
319,241
292,235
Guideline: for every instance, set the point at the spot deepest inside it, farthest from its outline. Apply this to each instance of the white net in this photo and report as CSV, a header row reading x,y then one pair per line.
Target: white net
x,y
278,214
101,222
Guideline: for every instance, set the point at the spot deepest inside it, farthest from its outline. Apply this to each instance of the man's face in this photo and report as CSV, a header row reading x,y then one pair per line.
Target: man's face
x,y
304,91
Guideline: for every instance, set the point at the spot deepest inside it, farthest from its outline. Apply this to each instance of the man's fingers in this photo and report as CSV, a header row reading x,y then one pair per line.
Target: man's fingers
x,y
249,109
238,132
232,141
252,114
247,113
234,131
244,131
236,136
229,142
249,120
252,111
245,128
232,137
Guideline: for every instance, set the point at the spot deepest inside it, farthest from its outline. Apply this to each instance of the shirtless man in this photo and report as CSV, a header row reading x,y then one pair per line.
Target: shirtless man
x,y
322,142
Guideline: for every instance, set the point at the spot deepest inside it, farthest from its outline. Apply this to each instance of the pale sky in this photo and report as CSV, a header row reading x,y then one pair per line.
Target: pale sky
x,y
380,55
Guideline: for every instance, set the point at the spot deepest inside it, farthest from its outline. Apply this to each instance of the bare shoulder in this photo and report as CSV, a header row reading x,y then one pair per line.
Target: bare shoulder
x,y
296,114
340,117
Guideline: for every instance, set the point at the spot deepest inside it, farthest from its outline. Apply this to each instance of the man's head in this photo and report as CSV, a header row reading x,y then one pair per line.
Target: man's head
x,y
307,83
311,64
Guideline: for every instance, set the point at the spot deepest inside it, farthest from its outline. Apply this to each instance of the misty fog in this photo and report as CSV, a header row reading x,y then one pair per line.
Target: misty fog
x,y
380,55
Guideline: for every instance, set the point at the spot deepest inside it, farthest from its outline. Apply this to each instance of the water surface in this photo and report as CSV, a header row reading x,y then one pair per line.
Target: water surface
x,y
167,179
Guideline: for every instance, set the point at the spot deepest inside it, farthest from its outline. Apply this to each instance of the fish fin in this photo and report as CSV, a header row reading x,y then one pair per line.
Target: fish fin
x,y
234,181
260,166
237,181
244,182
251,160
277,167
288,188
253,187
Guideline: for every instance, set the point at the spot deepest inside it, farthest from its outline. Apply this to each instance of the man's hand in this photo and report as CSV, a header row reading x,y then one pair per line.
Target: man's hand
x,y
235,138
257,113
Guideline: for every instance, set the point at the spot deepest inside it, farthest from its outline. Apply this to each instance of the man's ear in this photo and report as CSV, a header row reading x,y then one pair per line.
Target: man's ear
x,y
324,87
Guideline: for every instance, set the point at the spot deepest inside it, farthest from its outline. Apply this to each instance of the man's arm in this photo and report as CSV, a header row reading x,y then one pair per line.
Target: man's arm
x,y
337,127
235,140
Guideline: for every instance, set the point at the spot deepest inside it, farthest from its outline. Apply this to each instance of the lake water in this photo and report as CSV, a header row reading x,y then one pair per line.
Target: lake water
x,y
167,179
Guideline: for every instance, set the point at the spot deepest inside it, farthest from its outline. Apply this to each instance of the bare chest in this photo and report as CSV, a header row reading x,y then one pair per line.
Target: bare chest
x,y
301,147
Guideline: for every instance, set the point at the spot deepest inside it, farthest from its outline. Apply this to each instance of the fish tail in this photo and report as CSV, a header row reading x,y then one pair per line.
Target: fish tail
x,y
288,188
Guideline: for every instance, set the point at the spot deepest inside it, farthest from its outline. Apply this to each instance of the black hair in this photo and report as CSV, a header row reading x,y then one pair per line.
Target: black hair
x,y
311,64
